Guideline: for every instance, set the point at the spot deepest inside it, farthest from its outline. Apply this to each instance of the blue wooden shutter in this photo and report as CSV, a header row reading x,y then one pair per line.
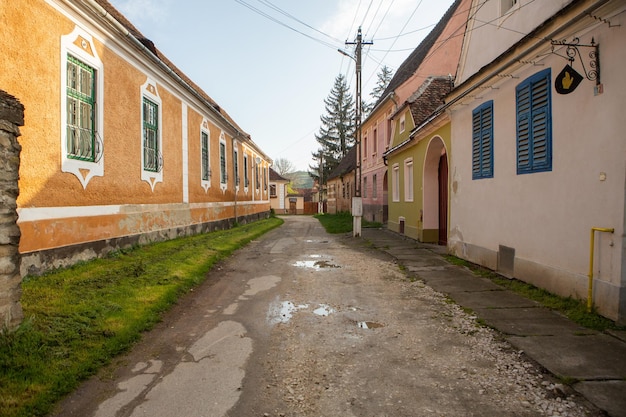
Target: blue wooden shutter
x,y
482,141
542,144
534,133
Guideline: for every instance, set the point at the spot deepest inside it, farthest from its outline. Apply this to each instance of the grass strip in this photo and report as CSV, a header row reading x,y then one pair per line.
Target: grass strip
x,y
79,318
572,308
342,222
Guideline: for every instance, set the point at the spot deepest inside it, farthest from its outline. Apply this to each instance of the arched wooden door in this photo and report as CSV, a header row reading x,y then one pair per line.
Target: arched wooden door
x,y
443,199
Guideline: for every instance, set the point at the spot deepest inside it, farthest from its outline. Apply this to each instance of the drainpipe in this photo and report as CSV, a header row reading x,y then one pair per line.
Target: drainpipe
x,y
591,246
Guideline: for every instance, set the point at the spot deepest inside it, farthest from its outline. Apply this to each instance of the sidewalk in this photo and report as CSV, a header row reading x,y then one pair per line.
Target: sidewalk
x,y
597,360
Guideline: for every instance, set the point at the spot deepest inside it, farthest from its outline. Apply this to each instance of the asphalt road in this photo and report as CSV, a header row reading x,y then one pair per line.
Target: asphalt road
x,y
303,323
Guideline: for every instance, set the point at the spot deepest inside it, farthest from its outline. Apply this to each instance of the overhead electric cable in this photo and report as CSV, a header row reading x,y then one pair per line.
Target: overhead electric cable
x,y
281,11
273,19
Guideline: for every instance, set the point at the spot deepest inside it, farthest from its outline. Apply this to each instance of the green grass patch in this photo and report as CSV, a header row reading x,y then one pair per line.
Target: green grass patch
x,y
342,222
81,317
574,309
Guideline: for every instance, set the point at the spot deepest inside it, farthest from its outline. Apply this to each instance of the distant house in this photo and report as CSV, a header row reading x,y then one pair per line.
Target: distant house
x,y
119,146
436,55
341,184
419,165
539,156
278,193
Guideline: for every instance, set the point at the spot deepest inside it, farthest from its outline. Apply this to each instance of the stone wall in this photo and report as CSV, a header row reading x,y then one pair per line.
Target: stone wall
x,y
11,117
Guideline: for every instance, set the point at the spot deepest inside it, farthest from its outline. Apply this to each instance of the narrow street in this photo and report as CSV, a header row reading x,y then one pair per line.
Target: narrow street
x,y
303,323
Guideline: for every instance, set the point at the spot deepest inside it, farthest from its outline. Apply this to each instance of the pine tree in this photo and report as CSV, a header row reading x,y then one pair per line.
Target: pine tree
x,y
384,77
336,135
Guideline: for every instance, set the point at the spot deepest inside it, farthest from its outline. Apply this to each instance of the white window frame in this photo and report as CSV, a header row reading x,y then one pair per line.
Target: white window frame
x,y
375,142
246,172
150,91
204,129
80,45
257,174
395,183
224,167
402,123
237,178
508,6
408,180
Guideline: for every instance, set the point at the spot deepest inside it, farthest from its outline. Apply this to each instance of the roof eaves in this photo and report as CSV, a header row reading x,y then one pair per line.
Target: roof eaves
x,y
415,59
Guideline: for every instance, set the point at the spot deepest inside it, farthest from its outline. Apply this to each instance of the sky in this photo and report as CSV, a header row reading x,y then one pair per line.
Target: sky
x,y
271,63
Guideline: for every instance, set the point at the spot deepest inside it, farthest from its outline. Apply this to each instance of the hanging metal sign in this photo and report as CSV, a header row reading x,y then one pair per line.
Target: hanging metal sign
x,y
567,80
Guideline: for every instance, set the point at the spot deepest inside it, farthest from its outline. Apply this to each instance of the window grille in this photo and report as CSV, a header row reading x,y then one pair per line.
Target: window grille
x,y
152,160
206,170
246,176
236,165
81,138
222,163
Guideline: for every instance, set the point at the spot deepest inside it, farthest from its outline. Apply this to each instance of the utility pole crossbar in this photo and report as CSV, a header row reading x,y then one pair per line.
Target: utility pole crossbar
x,y
357,55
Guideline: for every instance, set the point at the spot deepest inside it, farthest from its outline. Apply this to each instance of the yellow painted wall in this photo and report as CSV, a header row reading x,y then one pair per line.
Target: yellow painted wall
x,y
413,211
119,203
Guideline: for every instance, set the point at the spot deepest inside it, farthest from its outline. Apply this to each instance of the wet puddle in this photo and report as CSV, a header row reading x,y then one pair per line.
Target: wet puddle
x,y
316,264
283,311
369,325
323,310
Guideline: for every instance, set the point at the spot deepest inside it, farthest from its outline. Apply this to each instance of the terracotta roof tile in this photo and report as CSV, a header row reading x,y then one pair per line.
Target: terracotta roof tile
x,y
428,98
415,59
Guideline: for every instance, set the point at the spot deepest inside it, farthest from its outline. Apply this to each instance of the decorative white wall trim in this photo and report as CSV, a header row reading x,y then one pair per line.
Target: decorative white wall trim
x,y
246,172
236,166
149,90
204,128
185,136
50,213
80,45
223,185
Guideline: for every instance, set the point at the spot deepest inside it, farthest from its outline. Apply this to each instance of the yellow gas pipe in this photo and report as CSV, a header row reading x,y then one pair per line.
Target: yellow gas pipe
x,y
591,245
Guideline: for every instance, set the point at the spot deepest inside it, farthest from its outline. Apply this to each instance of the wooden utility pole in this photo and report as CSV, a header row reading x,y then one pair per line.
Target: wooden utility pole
x,y
357,202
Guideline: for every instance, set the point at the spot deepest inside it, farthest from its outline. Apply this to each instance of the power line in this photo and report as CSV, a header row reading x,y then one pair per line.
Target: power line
x,y
281,11
275,20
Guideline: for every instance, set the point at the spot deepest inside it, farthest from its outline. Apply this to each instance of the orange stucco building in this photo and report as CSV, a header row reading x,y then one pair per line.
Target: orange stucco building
x,y
119,147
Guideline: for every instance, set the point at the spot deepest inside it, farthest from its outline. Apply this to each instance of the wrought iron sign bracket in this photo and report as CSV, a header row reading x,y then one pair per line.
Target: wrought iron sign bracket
x,y
592,70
